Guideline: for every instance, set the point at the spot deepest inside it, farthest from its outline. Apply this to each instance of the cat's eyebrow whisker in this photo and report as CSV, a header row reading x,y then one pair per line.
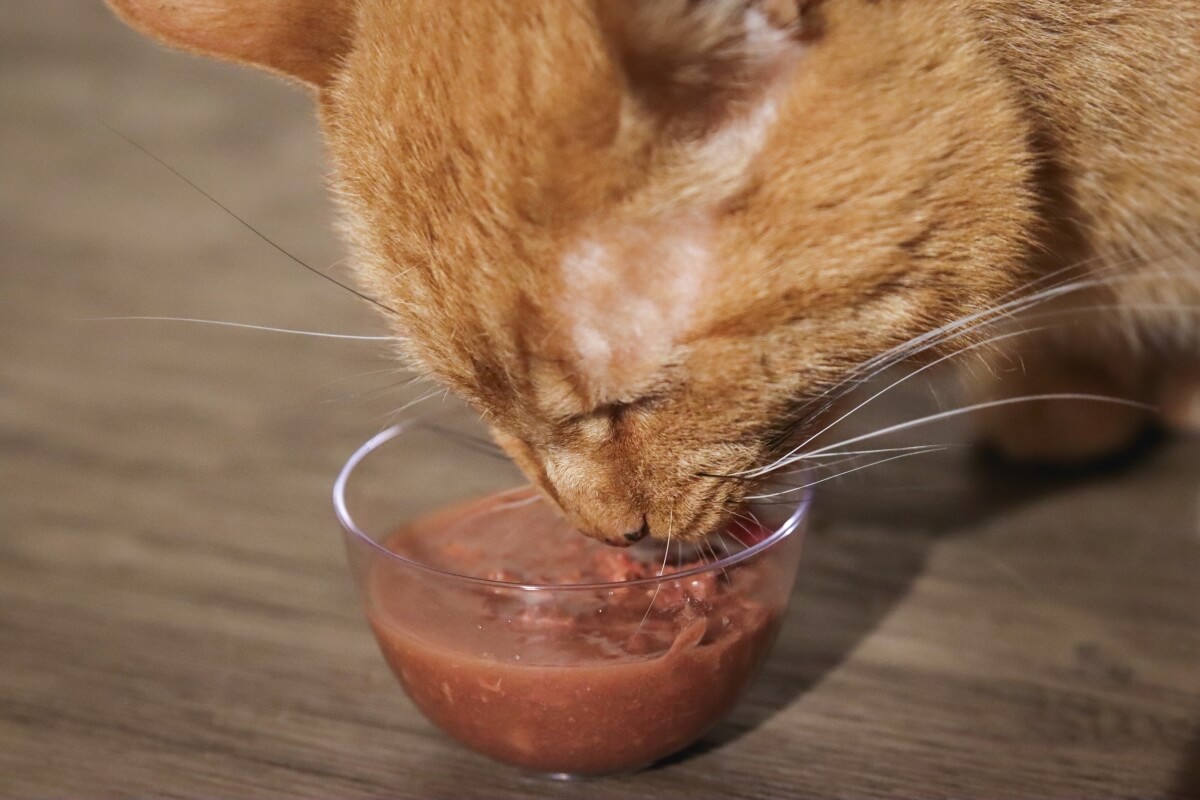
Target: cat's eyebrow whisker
x,y
247,326
802,487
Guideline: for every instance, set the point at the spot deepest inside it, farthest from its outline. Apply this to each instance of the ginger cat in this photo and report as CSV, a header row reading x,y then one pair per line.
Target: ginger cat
x,y
650,239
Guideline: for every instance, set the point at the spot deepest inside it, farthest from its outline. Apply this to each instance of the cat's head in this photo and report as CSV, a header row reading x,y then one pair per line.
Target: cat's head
x,y
637,235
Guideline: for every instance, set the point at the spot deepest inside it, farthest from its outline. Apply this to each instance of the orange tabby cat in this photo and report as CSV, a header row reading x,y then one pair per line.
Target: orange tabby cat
x,y
645,237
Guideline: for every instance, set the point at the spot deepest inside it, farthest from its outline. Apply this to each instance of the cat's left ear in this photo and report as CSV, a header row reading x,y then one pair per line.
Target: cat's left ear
x,y
299,39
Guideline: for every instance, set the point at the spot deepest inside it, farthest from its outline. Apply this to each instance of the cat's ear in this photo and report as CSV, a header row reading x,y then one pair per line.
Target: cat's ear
x,y
300,39
688,49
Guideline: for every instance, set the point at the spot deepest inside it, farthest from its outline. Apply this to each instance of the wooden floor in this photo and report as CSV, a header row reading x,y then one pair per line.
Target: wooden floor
x,y
176,617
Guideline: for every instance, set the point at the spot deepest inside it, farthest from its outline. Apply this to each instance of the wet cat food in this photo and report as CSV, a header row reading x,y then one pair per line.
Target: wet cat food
x,y
602,667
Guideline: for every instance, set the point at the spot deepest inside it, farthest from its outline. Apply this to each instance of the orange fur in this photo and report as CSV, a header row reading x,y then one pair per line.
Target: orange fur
x,y
843,175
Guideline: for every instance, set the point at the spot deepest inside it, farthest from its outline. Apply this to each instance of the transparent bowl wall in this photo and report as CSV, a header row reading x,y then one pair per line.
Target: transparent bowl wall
x,y
501,668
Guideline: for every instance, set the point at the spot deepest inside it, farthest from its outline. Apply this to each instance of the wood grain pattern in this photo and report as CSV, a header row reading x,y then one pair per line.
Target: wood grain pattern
x,y
176,618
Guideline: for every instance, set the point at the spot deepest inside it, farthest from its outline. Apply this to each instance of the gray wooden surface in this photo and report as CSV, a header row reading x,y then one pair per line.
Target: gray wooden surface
x,y
176,618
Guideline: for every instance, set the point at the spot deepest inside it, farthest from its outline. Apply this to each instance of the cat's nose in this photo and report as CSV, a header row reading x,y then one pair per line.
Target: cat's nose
x,y
611,528
618,539
636,536
598,503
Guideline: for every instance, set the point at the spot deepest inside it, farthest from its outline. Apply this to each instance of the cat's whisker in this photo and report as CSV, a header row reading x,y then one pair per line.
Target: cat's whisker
x,y
277,247
1007,308
802,487
903,379
667,549
1104,277
1171,307
969,324
1074,269
974,407
390,417
838,459
879,451
742,515
974,322
371,372
724,544
1063,274
747,529
1048,315
775,474
661,571
480,443
716,559
248,326
372,391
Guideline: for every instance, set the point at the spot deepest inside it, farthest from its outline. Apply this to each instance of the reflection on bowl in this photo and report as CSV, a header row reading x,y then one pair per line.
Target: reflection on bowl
x,y
544,649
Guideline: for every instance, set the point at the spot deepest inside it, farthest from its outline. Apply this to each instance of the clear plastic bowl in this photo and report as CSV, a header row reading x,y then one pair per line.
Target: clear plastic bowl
x,y
564,674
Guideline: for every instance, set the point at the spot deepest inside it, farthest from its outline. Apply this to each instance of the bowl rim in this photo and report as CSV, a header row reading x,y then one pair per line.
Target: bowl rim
x,y
791,526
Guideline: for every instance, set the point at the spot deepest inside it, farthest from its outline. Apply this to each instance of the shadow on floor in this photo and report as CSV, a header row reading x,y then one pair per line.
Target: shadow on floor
x,y
868,545
1187,779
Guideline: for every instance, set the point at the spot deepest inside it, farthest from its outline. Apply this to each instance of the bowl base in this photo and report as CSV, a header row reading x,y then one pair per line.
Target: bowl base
x,y
573,777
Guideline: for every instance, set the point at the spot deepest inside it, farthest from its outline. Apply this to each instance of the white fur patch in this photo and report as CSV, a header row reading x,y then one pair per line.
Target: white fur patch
x,y
630,293
722,162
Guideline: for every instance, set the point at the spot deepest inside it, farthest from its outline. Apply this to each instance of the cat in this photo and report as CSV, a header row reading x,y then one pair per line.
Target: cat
x,y
653,241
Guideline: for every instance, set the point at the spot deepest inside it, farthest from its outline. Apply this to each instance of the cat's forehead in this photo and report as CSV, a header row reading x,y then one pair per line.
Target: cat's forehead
x,y
633,290
592,313
628,296
613,252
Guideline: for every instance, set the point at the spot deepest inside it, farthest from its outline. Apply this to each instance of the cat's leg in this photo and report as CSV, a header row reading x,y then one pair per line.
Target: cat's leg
x,y
1066,431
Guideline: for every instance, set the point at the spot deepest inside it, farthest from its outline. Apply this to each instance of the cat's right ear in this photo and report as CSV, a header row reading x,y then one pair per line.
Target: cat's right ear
x,y
688,55
299,39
